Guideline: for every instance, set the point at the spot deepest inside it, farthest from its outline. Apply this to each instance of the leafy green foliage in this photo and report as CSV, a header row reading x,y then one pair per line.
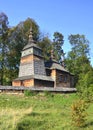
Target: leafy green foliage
x,y
45,45
3,46
78,57
78,63
80,45
85,86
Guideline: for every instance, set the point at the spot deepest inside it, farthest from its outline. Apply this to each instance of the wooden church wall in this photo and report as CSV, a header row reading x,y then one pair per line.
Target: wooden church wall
x,y
43,83
62,79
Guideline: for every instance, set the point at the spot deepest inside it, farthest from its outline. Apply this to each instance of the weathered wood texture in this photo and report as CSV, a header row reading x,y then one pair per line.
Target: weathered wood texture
x,y
31,65
38,89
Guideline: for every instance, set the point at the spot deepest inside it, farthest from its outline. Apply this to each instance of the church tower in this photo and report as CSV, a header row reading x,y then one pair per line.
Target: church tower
x,y
31,60
32,70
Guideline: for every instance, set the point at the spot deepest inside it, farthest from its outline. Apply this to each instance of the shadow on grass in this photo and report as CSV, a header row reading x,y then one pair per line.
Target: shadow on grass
x,y
29,125
89,124
33,114
31,121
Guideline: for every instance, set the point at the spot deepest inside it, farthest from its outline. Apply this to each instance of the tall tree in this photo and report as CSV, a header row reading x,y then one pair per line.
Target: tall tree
x,y
3,45
78,57
58,42
46,46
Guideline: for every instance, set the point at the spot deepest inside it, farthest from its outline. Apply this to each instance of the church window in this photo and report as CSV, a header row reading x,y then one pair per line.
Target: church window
x,y
65,78
60,78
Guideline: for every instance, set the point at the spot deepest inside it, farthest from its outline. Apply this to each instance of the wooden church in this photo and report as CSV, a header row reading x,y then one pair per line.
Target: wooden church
x,y
34,72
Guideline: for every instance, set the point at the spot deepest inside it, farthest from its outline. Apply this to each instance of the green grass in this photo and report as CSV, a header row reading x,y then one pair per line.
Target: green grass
x,y
39,112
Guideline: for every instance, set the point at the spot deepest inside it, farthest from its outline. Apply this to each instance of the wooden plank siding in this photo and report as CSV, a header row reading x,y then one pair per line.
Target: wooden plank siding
x,y
62,79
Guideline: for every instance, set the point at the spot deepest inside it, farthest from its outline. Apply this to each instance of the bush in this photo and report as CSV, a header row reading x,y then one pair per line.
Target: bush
x,y
78,112
85,86
86,93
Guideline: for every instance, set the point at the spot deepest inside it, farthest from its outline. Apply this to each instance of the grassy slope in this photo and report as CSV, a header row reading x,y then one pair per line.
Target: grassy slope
x,y
39,112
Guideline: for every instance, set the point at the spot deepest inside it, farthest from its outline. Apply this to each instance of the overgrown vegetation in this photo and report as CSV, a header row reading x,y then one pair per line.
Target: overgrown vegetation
x,y
79,113
85,86
38,112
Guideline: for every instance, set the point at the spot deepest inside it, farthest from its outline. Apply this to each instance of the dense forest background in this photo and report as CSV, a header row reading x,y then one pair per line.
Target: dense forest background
x,y
13,39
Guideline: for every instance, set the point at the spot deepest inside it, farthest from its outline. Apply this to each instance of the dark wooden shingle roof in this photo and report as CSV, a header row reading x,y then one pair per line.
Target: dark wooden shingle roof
x,y
53,64
31,45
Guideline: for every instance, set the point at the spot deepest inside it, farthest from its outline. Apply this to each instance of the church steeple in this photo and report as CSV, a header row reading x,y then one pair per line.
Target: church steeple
x,y
31,60
31,36
52,54
31,47
31,42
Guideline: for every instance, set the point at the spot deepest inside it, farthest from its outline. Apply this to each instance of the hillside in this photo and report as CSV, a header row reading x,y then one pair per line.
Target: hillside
x,y
42,111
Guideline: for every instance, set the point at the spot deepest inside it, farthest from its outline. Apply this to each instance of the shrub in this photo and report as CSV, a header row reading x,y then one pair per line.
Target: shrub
x,y
78,112
86,93
85,86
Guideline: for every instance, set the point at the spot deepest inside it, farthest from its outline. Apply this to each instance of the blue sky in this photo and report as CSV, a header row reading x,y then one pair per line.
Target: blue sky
x,y
65,16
